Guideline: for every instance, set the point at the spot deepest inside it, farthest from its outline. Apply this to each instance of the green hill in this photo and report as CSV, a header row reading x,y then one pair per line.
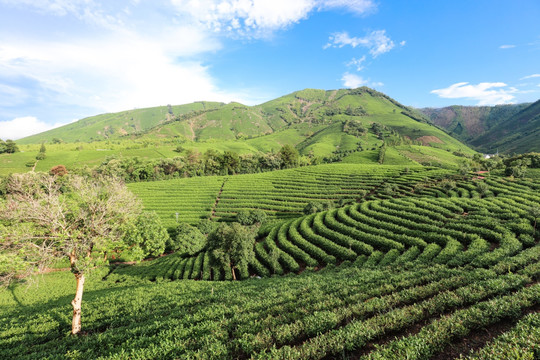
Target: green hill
x,y
518,134
347,124
467,122
115,125
503,128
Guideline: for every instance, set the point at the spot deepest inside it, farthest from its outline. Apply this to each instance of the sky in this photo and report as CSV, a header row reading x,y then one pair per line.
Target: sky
x,y
63,60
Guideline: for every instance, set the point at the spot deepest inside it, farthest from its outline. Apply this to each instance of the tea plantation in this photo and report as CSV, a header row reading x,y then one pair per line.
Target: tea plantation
x,y
420,264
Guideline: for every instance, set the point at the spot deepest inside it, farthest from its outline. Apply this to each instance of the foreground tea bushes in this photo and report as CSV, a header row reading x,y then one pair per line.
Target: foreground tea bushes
x,y
330,313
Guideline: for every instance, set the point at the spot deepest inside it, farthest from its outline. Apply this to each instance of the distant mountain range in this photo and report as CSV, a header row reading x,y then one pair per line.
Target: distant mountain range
x,y
503,128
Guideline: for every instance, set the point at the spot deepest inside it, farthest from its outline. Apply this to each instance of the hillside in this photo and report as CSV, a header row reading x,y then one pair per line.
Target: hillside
x,y
518,134
468,122
347,124
502,128
115,125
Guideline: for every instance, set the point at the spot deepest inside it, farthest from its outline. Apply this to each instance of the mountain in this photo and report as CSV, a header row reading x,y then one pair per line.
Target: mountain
x,y
519,133
468,122
316,120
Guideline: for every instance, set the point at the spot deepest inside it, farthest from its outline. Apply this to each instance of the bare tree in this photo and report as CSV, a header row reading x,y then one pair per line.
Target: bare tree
x,y
47,217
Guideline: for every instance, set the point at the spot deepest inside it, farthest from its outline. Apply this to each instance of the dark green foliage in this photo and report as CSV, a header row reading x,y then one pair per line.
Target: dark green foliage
x,y
251,217
41,156
289,156
206,226
8,146
232,245
189,240
146,236
382,153
355,128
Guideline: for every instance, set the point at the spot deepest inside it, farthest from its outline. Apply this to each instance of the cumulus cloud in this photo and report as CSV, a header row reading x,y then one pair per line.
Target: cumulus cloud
x,y
376,41
484,93
258,18
353,81
530,76
24,126
507,46
122,71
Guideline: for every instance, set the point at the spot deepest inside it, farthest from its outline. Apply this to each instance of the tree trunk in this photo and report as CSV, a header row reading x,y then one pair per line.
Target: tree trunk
x,y
77,302
233,274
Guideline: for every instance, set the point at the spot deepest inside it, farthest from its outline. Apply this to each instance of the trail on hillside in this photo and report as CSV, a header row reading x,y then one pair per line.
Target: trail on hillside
x,y
218,197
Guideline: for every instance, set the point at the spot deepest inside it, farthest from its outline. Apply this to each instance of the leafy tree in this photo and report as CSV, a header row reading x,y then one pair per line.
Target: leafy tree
x,y
289,156
42,149
518,168
189,240
146,236
251,217
10,147
230,162
232,246
48,217
206,226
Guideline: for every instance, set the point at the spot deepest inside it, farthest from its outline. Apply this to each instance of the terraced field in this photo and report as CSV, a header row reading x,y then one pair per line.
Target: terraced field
x,y
455,227
282,194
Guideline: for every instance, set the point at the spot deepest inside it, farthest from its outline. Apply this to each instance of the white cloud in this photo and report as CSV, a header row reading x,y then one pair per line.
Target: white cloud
x,y
484,93
357,63
259,18
507,46
402,43
24,126
377,42
530,76
353,81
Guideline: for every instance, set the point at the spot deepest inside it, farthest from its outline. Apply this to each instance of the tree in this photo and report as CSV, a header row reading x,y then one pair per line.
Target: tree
x,y
189,240
11,147
232,246
251,217
146,236
48,217
230,161
289,156
42,149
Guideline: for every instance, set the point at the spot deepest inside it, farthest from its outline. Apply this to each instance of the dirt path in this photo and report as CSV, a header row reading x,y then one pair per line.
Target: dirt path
x,y
218,197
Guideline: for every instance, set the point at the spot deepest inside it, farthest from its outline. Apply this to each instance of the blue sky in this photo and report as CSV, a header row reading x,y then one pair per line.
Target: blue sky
x,y
62,60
